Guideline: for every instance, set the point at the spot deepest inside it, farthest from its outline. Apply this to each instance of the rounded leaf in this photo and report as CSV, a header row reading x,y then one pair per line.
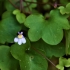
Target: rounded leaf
x,y
8,29
20,17
52,34
7,62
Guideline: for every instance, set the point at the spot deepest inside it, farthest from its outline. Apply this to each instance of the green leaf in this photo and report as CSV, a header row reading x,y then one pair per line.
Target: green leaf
x,y
35,22
47,7
7,62
51,31
63,62
30,60
62,10
60,67
68,7
20,48
30,6
19,16
55,16
52,34
8,29
65,10
15,12
9,6
49,50
45,1
6,14
67,63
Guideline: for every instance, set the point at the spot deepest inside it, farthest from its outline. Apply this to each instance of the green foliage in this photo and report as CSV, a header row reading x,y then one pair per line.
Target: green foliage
x,y
48,50
65,10
34,33
29,6
28,61
8,6
7,62
8,29
49,30
63,62
19,16
45,1
6,14
47,6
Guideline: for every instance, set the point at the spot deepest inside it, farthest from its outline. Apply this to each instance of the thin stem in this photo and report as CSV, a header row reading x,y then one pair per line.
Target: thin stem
x,y
67,40
28,7
42,3
30,2
13,4
21,5
36,2
43,56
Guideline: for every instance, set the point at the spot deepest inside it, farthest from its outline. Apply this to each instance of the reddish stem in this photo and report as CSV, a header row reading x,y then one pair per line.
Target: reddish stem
x,y
21,5
13,4
43,56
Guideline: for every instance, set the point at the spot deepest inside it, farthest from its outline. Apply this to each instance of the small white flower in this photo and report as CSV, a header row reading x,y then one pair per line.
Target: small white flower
x,y
20,39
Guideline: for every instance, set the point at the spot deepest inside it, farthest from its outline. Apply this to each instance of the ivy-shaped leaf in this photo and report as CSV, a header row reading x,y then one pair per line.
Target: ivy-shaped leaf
x,y
50,50
67,63
63,62
19,16
27,61
32,5
51,31
60,67
7,62
65,10
8,29
29,6
62,10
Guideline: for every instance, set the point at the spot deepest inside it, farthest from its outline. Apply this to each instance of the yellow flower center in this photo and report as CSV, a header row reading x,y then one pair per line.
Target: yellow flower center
x,y
20,36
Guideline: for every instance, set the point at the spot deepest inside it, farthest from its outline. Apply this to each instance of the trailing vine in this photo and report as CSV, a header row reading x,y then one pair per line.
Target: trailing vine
x,y
35,35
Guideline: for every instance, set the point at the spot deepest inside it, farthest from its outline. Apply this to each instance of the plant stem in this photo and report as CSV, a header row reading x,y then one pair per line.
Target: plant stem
x,y
17,7
13,4
21,5
67,35
34,2
30,2
43,56
28,7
